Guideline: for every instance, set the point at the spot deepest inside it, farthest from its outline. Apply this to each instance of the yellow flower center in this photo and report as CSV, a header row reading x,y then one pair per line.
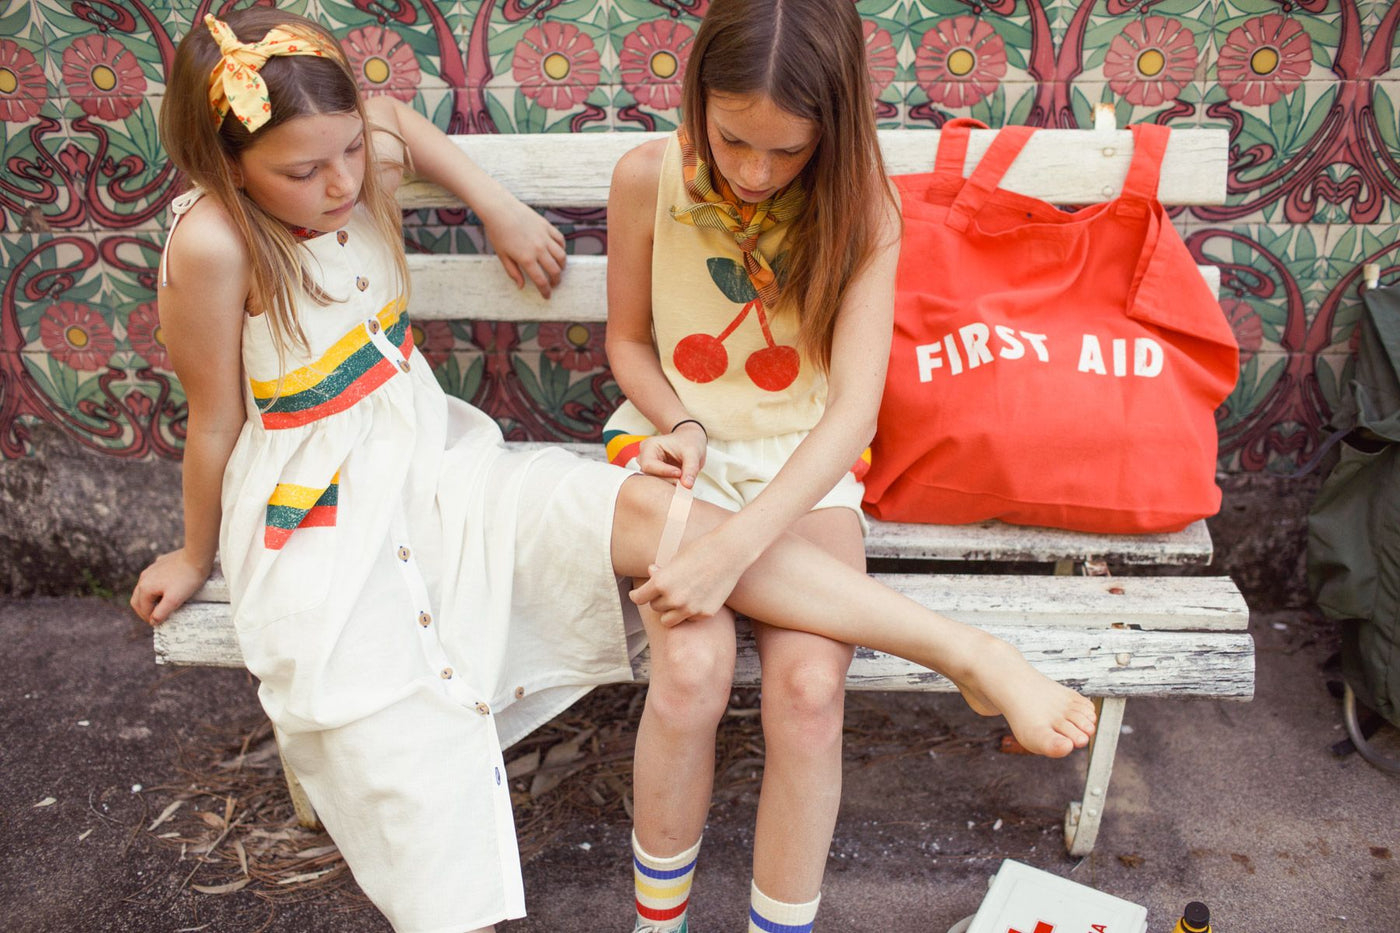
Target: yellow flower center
x,y
76,336
577,335
1264,61
556,66
9,81
664,65
1151,63
103,78
376,70
418,335
158,335
961,62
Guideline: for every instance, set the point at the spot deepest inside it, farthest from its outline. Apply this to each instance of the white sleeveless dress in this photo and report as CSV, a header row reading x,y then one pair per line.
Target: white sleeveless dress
x,y
411,595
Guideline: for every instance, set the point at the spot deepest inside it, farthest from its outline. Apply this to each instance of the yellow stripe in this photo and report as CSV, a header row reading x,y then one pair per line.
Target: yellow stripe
x,y
299,497
307,376
647,889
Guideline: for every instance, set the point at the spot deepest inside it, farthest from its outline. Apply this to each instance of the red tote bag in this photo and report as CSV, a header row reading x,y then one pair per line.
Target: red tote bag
x,y
1048,367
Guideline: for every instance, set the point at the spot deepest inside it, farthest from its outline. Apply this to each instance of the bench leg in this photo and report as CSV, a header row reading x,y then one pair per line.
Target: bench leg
x,y
1082,819
306,813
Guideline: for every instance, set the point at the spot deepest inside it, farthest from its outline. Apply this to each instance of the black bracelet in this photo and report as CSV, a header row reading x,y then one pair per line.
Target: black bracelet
x,y
691,421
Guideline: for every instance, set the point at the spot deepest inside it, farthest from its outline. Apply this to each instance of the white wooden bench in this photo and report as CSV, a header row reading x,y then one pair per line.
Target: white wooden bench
x,y
1111,637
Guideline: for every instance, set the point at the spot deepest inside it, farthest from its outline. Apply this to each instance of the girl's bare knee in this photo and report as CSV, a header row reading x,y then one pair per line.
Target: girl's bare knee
x,y
691,677
804,703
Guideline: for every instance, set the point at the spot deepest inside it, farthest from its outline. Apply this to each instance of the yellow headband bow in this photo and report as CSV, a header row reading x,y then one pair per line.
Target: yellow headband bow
x,y
235,82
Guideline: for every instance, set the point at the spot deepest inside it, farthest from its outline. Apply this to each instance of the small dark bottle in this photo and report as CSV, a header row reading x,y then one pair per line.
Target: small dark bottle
x,y
1194,919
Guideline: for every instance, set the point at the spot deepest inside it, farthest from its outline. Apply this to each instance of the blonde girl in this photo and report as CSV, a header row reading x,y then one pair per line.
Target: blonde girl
x,y
410,594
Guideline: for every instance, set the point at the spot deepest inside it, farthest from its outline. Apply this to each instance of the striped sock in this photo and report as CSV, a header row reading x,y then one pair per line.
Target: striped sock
x,y
663,886
769,916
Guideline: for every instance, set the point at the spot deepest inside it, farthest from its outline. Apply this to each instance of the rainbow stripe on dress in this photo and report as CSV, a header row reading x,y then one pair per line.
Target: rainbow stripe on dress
x,y
351,369
292,507
622,447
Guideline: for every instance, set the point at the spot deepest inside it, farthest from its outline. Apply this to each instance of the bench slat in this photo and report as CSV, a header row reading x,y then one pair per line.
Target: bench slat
x,y
453,288
573,170
998,541
1067,602
1102,662
1111,663
1149,603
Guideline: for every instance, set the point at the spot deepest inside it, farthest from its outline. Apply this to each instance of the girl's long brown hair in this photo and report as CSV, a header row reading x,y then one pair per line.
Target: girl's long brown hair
x,y
207,153
808,57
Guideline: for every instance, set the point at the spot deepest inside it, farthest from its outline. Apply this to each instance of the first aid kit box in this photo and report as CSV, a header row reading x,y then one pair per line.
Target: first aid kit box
x,y
1023,899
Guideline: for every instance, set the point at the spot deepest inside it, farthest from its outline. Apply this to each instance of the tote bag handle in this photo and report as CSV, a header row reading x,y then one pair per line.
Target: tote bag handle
x,y
985,178
1144,172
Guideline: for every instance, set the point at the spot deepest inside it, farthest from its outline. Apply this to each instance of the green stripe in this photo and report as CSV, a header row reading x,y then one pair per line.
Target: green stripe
x,y
285,516
342,377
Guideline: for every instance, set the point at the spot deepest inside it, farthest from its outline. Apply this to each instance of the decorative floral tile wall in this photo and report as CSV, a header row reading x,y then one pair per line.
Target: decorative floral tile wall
x,y
1307,88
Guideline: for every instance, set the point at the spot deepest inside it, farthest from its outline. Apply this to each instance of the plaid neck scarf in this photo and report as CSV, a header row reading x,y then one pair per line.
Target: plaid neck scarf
x,y
715,206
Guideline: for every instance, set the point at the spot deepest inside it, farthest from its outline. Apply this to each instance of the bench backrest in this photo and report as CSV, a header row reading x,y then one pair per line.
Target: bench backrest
x,y
573,171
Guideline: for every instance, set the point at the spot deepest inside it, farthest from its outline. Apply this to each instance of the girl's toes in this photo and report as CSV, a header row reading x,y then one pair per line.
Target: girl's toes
x,y
1085,722
1058,746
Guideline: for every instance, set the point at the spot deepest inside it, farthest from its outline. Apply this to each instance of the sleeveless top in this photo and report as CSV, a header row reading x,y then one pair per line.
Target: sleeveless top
x,y
734,364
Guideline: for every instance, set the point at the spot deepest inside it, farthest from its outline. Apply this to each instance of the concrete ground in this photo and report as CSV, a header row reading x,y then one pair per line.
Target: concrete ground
x,y
1243,806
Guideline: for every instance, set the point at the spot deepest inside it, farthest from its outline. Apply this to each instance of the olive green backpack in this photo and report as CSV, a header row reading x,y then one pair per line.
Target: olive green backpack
x,y
1354,525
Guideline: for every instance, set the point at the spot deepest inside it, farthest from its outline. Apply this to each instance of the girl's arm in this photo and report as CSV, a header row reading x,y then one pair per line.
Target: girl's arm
x,y
201,321
526,243
631,351
856,378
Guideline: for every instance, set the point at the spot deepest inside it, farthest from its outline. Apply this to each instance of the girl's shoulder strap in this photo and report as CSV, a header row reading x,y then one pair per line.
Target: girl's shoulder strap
x,y
178,208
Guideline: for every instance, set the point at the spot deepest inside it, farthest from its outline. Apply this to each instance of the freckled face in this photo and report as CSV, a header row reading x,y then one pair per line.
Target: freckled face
x,y
758,147
307,172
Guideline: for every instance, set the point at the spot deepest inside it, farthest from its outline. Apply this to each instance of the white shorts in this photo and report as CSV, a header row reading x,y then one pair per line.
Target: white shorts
x,y
736,471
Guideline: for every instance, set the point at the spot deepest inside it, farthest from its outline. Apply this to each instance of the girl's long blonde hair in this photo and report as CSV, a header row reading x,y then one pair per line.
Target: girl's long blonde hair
x,y
207,153
808,57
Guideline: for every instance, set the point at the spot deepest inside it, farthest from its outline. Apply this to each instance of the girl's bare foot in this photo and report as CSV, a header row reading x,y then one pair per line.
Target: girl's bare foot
x,y
1047,718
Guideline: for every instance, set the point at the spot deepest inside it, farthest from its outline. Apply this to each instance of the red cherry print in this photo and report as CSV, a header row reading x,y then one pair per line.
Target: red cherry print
x,y
700,358
773,369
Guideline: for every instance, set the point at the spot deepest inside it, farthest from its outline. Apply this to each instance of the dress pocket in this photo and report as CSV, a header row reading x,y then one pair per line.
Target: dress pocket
x,y
297,549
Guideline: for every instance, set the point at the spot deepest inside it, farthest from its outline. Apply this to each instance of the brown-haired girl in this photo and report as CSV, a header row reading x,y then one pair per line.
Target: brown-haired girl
x,y
411,594
751,275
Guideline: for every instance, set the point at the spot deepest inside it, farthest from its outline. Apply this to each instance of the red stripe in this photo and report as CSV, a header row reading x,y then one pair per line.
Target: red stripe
x,y
320,516
274,538
651,913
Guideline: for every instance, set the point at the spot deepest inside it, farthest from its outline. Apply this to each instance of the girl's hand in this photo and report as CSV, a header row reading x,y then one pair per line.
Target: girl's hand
x,y
678,455
165,585
526,243
695,583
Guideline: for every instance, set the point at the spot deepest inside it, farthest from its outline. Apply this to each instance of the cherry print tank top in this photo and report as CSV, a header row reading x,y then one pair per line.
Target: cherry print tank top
x,y
735,365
